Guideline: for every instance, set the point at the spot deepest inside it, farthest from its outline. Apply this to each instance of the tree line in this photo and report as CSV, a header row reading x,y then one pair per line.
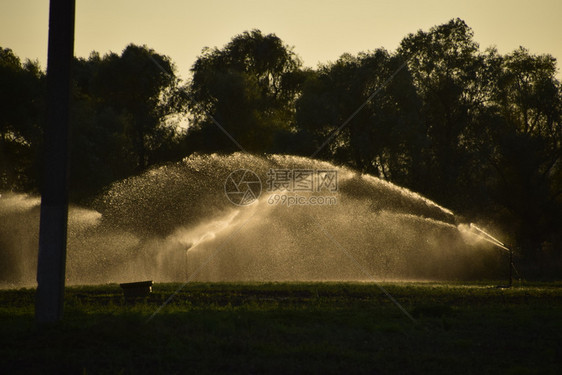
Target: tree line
x,y
477,131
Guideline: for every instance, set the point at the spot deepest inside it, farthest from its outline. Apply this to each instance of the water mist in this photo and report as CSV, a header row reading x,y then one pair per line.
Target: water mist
x,y
175,222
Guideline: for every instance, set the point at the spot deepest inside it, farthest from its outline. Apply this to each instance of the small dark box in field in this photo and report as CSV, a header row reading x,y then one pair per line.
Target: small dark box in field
x,y
137,289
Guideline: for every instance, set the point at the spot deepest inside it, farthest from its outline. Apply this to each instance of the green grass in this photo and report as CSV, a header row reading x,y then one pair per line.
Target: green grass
x,y
284,328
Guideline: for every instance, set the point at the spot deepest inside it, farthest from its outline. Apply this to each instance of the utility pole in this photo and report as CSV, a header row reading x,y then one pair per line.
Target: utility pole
x,y
54,198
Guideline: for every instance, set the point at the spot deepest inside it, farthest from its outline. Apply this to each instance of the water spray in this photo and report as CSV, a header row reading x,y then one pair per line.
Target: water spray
x,y
488,237
481,233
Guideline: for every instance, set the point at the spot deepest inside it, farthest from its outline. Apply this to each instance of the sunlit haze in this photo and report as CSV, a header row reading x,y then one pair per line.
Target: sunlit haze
x,y
319,30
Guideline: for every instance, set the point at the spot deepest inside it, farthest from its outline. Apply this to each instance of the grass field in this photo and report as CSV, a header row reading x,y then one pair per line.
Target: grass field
x,y
288,328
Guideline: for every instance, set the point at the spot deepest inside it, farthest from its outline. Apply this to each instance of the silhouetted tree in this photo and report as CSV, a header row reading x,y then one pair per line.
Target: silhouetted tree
x,y
138,90
248,87
447,71
383,138
21,106
528,154
120,108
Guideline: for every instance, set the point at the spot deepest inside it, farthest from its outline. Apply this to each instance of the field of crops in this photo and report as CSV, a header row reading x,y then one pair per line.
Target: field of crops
x,y
285,328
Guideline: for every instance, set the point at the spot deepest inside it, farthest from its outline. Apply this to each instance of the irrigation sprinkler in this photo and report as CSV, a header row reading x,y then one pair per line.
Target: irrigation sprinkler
x,y
488,237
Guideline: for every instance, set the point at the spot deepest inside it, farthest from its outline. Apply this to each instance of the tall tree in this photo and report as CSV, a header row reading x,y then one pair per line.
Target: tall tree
x,y
248,87
384,136
21,106
139,87
528,157
121,107
447,70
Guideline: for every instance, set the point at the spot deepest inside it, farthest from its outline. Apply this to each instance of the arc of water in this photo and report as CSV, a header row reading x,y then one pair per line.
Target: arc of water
x,y
488,237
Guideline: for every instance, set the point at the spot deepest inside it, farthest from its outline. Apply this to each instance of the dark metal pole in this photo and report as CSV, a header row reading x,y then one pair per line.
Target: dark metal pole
x,y
54,197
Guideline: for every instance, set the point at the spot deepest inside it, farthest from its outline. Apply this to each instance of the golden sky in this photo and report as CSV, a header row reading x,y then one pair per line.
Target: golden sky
x,y
319,30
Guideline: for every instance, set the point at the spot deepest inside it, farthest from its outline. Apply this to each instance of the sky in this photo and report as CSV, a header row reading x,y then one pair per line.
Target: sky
x,y
319,30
